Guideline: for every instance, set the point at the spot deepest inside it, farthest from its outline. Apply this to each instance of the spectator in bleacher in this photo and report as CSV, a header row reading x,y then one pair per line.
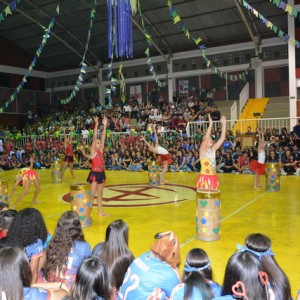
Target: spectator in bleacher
x,y
272,157
228,163
242,163
288,163
296,129
215,114
284,137
210,98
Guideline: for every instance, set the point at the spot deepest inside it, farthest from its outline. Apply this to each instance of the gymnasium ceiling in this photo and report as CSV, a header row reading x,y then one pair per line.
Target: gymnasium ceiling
x,y
217,22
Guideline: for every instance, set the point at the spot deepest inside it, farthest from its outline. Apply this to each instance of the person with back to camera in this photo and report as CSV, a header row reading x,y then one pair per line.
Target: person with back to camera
x,y
154,274
197,278
97,176
25,177
67,250
207,178
260,245
92,281
258,166
28,231
69,154
243,278
114,252
16,278
164,157
6,218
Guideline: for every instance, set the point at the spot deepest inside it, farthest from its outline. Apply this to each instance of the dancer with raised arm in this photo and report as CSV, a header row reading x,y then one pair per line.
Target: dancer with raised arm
x,y
97,174
258,166
207,179
69,154
164,157
24,178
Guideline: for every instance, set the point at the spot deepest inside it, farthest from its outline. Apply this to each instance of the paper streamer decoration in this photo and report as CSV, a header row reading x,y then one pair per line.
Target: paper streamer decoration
x,y
281,34
83,65
177,20
120,42
147,52
39,51
291,10
9,9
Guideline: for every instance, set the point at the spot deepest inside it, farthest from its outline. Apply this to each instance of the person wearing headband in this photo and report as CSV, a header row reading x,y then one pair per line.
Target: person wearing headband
x,y
154,274
197,278
244,268
260,245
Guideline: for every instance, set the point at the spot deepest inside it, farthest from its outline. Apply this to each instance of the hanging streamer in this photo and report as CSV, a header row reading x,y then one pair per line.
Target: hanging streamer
x,y
147,52
281,34
291,10
83,65
39,51
120,42
177,20
9,9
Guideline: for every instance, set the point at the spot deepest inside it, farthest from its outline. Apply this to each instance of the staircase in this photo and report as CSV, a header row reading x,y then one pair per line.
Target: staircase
x,y
254,109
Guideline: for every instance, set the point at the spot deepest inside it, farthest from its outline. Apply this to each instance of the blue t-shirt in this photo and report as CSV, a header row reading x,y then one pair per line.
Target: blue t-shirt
x,y
32,293
178,291
148,275
35,249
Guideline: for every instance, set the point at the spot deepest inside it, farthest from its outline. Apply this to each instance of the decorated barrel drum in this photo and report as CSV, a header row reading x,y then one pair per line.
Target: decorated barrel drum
x,y
272,177
56,171
4,190
208,215
154,173
81,202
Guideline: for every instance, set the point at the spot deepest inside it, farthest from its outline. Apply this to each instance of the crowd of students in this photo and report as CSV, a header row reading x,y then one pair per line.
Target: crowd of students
x,y
37,265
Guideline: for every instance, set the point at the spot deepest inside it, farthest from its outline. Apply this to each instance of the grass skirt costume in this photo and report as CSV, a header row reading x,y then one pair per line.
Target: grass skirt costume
x,y
207,179
27,174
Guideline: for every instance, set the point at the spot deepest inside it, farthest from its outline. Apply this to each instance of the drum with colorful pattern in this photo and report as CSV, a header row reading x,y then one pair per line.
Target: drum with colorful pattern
x,y
208,215
56,171
81,202
272,177
4,190
154,173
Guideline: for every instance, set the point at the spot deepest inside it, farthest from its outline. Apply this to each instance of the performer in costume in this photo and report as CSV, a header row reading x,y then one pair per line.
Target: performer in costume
x,y
207,178
164,158
69,155
97,174
25,177
258,166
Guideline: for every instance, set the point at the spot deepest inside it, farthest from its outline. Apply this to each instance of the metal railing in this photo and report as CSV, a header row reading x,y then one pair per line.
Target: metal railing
x,y
193,127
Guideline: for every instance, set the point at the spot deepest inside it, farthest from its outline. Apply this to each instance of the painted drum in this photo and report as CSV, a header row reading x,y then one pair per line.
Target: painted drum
x,y
154,173
81,202
208,215
272,177
4,190
56,171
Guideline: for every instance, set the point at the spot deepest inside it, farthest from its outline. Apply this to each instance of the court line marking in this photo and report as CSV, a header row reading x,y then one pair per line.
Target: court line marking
x,y
191,239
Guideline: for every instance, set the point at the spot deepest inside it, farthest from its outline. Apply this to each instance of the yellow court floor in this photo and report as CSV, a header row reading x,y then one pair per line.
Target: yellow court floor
x,y
172,206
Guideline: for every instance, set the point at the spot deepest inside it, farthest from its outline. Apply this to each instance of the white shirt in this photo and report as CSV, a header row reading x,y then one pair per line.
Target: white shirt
x,y
161,150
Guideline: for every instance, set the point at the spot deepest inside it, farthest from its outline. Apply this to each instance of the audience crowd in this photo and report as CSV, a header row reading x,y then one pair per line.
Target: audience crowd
x,y
125,150
36,265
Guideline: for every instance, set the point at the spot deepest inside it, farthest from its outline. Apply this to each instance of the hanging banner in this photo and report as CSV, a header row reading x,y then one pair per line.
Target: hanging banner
x,y
136,93
183,88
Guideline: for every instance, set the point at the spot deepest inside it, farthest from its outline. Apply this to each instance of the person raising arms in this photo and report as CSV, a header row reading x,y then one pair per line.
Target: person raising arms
x,y
69,155
97,176
207,178
164,157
